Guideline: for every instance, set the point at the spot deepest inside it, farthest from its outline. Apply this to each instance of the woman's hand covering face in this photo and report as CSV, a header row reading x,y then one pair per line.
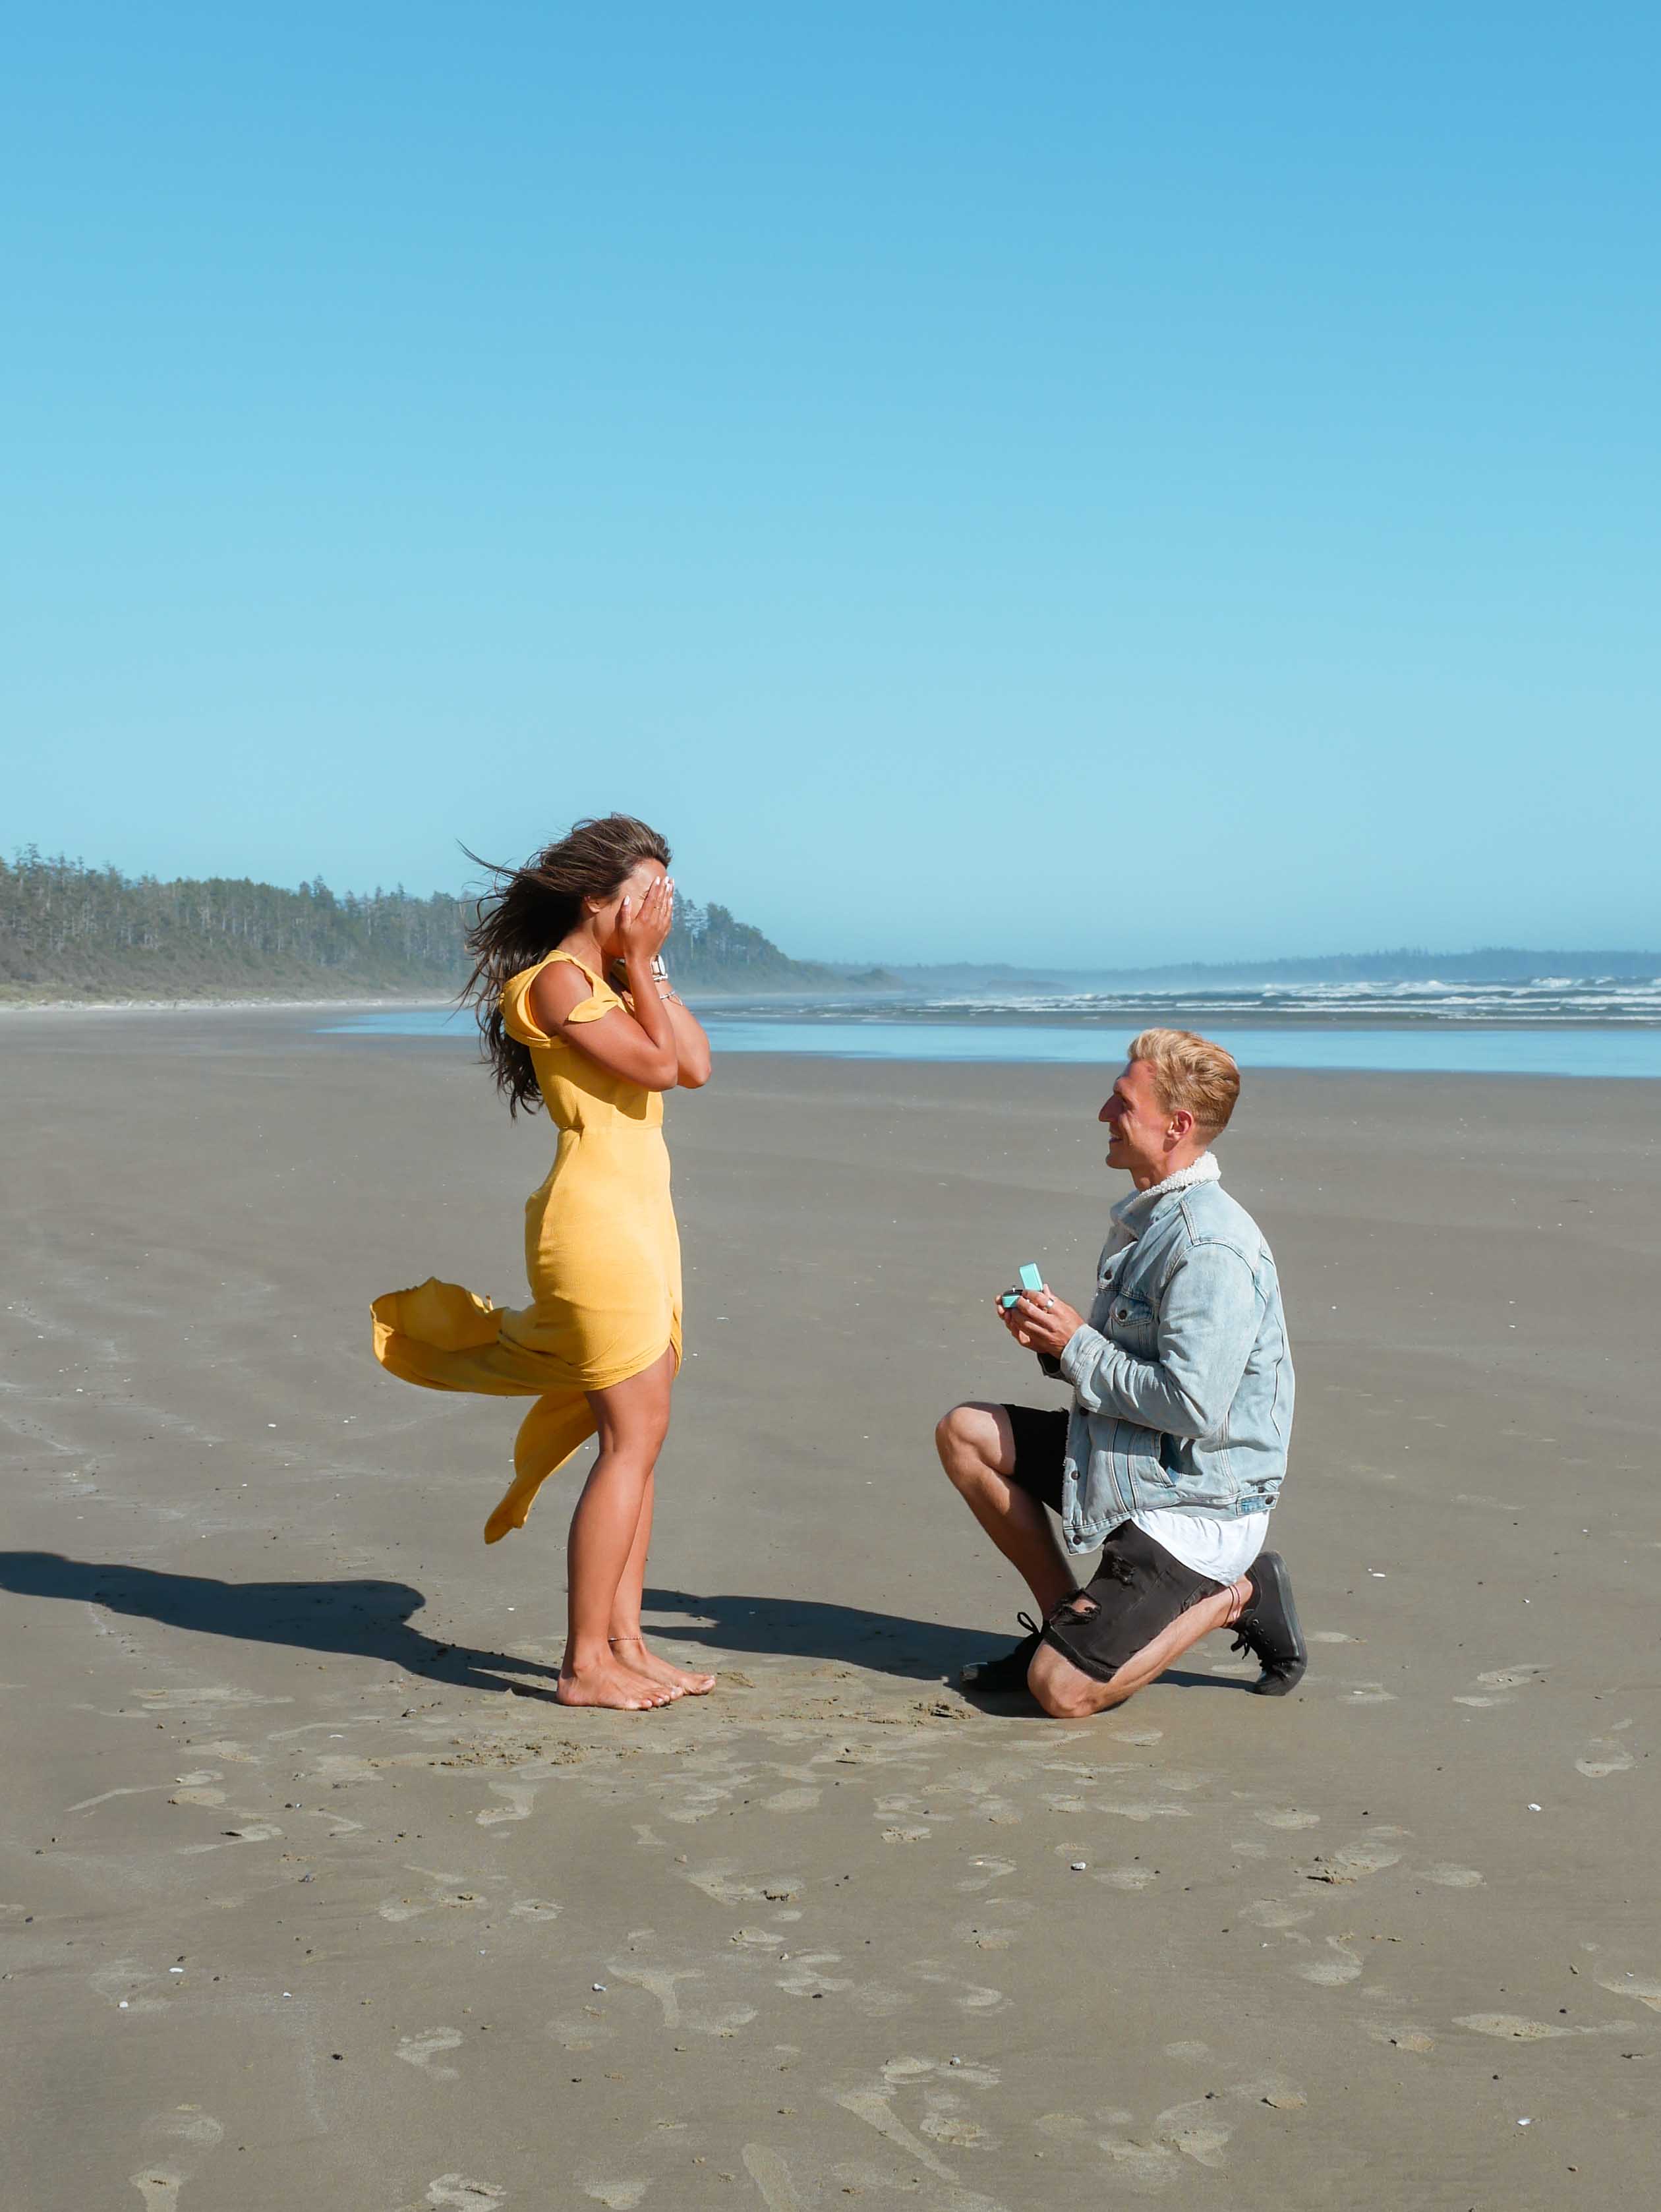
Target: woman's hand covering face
x,y
644,920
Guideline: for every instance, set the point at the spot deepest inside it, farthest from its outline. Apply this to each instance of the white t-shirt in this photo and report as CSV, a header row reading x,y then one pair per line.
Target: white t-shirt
x,y
1222,1549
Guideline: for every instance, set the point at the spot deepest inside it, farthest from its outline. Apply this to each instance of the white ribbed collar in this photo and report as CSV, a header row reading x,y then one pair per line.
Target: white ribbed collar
x,y
1132,1215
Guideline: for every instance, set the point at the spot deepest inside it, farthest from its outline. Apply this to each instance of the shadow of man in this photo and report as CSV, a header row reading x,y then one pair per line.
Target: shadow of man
x,y
811,1628
885,1643
362,1618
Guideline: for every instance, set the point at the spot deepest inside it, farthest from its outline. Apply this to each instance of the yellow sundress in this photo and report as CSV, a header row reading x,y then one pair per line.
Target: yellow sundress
x,y
601,1252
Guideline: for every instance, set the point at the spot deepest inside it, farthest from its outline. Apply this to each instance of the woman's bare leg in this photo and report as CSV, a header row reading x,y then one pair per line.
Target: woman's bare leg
x,y
632,1418
627,1640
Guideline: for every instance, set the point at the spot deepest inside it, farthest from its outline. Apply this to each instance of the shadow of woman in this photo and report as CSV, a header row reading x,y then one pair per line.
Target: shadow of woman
x,y
361,1619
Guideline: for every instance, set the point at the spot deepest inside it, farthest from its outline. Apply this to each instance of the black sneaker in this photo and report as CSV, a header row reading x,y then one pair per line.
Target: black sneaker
x,y
998,1677
1268,1628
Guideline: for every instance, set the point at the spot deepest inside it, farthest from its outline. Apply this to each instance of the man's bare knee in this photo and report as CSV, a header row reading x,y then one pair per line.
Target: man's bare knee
x,y
970,1442
1064,1693
1063,1702
960,1440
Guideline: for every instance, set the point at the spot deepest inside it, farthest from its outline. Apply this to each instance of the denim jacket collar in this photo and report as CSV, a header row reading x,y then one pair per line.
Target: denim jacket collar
x,y
1132,1215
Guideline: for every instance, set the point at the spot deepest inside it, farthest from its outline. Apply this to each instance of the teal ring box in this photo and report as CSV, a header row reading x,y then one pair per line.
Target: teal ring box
x,y
1030,1280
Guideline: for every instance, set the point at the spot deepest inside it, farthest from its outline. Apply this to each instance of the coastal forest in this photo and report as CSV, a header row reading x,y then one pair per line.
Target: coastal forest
x,y
70,932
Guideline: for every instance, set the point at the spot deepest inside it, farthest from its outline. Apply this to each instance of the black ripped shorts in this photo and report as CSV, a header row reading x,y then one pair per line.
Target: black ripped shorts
x,y
1137,1590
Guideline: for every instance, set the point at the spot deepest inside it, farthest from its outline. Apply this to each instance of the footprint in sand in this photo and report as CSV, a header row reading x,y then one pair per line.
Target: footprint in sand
x,y
1604,1755
617,2196
659,1984
159,2186
1509,2026
767,2168
727,1886
1272,1912
945,2120
1287,1816
520,1796
804,1979
1198,2129
1454,1877
1350,1862
422,2051
986,1871
1194,2129
1331,1973
1492,1687
972,1996
188,2132
720,2019
454,2192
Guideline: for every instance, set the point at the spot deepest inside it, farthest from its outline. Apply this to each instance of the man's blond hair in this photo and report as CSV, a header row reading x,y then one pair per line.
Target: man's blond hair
x,y
1190,1074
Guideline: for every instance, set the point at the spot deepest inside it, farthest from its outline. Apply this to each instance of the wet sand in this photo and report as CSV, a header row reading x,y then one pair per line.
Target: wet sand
x,y
312,1896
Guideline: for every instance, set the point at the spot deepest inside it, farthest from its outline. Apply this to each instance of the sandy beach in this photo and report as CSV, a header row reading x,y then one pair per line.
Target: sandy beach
x,y
313,1896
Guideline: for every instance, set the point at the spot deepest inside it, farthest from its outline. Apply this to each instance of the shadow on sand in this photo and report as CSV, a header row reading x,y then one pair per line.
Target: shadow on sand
x,y
359,1619
370,1620
887,1644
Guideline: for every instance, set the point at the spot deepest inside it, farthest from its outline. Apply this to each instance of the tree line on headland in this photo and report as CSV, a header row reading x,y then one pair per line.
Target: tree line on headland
x,y
70,932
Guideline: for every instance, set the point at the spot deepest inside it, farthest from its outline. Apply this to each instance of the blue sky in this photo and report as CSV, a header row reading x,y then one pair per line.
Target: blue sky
x,y
1061,483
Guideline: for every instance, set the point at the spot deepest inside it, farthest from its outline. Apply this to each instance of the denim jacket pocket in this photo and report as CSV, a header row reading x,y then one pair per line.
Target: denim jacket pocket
x,y
1133,1323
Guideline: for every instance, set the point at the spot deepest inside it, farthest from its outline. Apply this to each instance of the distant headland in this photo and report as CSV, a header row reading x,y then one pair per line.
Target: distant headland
x,y
77,934
71,933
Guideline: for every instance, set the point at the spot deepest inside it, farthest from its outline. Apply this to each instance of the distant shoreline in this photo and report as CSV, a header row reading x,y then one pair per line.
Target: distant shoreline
x,y
387,1002
214,1005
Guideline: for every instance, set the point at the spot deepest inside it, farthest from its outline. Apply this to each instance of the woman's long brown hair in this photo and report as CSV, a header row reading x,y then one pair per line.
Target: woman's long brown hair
x,y
525,916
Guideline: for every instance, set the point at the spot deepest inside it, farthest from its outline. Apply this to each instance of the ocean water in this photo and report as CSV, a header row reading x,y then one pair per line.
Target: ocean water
x,y
1555,1026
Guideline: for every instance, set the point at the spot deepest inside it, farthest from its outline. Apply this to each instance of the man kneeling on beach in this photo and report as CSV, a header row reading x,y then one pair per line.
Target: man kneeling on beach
x,y
1172,1453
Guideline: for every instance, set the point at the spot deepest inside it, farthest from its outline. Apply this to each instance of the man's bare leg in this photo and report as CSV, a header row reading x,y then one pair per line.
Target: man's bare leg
x,y
1066,1692
977,1447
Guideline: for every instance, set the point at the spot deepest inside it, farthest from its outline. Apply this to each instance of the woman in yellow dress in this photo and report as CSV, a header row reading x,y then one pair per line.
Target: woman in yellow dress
x,y
599,1344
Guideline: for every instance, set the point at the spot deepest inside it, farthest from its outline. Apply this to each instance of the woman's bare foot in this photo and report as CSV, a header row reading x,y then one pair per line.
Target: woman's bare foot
x,y
678,1680
621,1688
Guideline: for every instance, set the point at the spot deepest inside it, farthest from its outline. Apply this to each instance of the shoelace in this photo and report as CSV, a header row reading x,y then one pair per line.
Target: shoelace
x,y
1271,1663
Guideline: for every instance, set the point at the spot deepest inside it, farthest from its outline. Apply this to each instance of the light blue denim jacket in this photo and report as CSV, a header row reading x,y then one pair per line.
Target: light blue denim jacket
x,y
1181,1376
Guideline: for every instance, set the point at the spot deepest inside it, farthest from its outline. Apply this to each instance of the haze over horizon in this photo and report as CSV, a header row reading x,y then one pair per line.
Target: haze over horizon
x,y
989,483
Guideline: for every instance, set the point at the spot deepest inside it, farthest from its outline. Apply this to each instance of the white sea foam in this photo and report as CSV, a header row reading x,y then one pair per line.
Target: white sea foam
x,y
1551,1000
